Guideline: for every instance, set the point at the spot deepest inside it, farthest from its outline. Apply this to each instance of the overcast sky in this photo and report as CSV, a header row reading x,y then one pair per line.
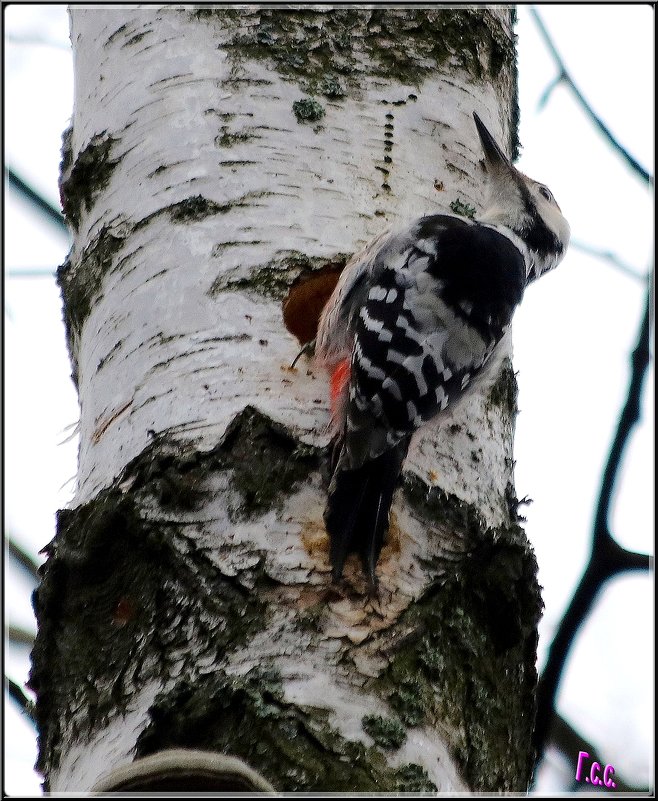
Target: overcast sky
x,y
572,339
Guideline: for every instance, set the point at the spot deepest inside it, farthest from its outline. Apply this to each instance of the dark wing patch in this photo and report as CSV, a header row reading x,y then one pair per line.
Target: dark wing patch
x,y
398,379
481,270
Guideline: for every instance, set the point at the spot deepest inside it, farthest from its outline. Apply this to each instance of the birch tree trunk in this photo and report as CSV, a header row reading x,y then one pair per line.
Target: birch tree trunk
x,y
217,158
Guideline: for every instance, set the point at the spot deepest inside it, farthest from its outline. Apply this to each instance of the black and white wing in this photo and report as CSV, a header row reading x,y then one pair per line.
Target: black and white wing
x,y
430,320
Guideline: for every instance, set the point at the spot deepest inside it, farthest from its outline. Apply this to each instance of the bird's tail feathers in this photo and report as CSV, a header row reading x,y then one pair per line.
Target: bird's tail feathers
x,y
357,512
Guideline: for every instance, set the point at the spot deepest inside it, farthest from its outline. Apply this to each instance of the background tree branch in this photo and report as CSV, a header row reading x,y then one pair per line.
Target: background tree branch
x,y
45,208
565,77
607,557
18,696
21,559
611,258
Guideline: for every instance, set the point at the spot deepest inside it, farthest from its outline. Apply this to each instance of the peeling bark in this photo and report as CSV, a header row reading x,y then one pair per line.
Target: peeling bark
x,y
216,157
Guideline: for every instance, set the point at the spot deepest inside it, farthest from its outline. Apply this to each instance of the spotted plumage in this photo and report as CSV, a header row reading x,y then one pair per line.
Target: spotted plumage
x,y
428,325
417,316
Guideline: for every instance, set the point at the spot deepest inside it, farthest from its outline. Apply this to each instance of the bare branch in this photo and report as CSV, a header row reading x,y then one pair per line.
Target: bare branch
x,y
630,415
565,77
611,258
22,559
36,40
38,201
16,694
607,558
19,636
31,272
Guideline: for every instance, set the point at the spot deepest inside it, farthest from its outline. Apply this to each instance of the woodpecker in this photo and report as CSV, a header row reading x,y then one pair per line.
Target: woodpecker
x,y
413,325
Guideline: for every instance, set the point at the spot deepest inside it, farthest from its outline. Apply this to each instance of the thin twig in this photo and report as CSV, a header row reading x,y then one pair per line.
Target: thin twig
x,y
18,636
16,694
31,272
36,40
611,258
565,77
32,196
22,559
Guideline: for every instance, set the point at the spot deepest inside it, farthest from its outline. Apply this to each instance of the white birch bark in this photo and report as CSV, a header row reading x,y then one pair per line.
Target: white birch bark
x,y
208,193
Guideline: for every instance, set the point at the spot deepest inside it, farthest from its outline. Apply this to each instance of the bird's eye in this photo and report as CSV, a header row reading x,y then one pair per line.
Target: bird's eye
x,y
544,191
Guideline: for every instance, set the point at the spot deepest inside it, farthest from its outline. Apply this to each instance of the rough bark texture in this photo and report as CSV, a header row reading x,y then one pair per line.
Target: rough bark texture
x,y
216,156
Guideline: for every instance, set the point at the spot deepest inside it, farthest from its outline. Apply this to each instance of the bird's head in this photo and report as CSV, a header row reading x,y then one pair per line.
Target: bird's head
x,y
525,207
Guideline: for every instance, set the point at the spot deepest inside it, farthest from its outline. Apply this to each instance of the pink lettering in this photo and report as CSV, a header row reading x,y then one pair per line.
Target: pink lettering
x,y
581,755
592,773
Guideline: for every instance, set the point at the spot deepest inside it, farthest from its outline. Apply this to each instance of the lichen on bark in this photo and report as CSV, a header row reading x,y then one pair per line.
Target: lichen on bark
x,y
294,748
117,563
274,278
504,391
81,279
468,665
401,44
85,176
126,571
336,47
266,463
81,284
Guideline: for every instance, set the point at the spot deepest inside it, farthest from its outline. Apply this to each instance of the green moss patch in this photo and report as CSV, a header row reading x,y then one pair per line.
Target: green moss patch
x,y
412,778
294,748
386,732
265,461
468,665
504,392
405,45
463,209
105,600
308,110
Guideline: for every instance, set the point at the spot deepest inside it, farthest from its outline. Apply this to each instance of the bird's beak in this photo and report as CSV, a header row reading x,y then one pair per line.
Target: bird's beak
x,y
493,155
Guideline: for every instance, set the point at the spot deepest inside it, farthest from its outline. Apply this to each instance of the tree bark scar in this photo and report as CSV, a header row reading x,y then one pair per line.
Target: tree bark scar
x,y
105,424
